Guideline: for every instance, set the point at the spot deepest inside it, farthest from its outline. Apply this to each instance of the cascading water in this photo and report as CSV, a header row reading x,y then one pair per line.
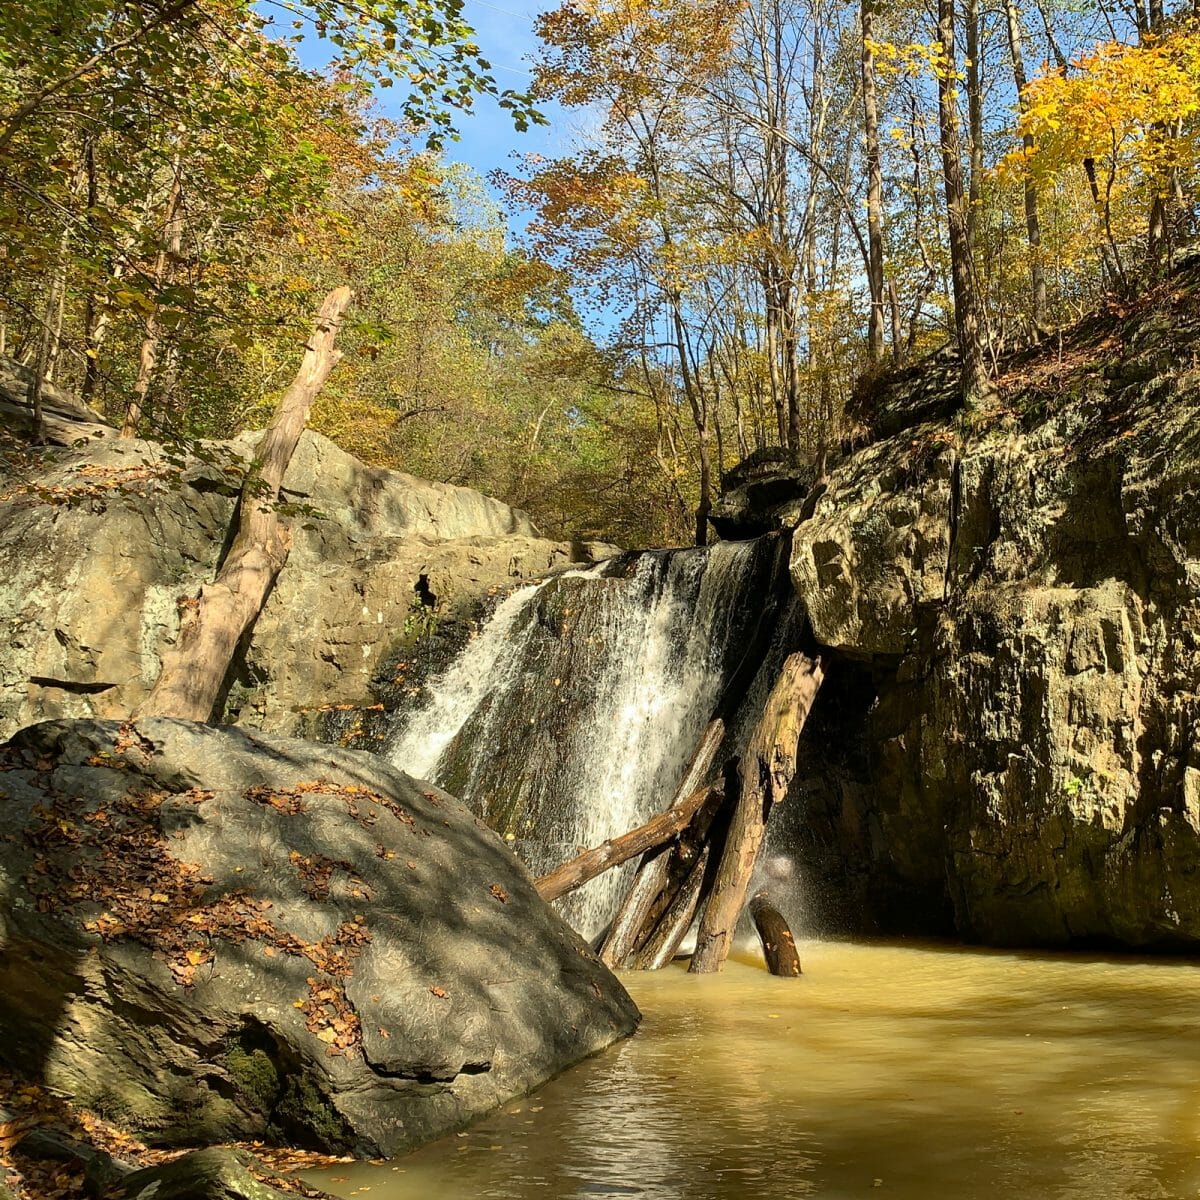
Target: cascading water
x,y
572,714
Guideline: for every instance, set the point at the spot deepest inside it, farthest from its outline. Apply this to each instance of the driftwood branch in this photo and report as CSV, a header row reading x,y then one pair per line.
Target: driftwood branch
x,y
615,851
766,771
779,947
673,925
194,669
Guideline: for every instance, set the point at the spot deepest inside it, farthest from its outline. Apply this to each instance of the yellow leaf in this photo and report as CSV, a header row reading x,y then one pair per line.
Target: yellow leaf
x,y
327,1035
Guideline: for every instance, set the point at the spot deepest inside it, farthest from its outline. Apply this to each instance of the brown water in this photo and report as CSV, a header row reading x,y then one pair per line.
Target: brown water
x,y
887,1070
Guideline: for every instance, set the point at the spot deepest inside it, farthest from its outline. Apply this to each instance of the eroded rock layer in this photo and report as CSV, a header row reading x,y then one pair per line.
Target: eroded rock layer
x,y
103,540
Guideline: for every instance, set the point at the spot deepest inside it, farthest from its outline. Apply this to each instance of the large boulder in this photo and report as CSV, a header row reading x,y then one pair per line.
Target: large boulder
x,y
103,540
212,936
763,493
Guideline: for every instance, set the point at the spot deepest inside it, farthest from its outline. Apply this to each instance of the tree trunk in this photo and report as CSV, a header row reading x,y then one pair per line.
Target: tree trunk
x,y
766,772
612,853
974,81
874,187
651,876
1033,227
42,356
779,947
163,265
194,669
975,385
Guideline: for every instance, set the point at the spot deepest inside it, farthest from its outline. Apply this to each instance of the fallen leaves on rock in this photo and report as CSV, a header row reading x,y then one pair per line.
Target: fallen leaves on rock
x,y
330,1016
32,1107
117,857
290,800
499,893
316,875
93,481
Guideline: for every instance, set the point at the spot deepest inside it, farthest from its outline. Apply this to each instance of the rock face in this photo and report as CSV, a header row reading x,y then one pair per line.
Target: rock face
x,y
209,936
105,538
761,494
1013,738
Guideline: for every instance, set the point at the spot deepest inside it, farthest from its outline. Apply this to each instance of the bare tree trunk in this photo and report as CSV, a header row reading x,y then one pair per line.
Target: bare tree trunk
x,y
897,326
766,772
46,337
194,669
976,387
163,264
974,82
1033,228
874,187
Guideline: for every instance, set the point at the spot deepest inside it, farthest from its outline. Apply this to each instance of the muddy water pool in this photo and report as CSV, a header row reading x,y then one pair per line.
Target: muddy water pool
x,y
888,1070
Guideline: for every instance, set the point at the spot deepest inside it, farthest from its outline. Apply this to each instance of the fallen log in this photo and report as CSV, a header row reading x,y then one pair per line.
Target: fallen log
x,y
779,947
766,771
612,853
629,926
673,925
213,623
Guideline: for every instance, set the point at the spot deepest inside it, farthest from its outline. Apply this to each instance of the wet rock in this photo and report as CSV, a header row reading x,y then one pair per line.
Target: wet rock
x,y
212,936
1017,602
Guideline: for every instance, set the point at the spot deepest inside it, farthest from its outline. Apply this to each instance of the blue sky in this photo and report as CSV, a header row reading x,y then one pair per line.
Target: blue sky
x,y
487,138
506,39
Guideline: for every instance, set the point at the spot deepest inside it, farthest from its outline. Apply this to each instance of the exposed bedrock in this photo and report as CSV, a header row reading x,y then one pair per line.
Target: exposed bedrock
x,y
103,541
1012,749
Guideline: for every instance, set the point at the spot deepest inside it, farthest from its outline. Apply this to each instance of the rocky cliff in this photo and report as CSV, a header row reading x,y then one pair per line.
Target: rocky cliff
x,y
1009,746
103,539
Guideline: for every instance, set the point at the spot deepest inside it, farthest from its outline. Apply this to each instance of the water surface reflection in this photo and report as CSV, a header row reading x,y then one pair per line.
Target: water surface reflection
x,y
898,1071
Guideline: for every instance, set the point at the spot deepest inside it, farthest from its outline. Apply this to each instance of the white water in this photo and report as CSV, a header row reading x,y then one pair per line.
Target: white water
x,y
570,718
455,695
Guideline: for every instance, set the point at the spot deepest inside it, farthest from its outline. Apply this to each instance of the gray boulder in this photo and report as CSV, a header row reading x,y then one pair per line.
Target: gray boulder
x,y
212,936
763,493
218,1173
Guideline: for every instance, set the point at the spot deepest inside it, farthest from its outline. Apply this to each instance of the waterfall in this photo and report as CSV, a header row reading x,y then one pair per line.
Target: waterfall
x,y
571,715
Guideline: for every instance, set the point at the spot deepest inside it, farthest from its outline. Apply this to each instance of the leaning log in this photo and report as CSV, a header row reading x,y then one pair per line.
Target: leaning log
x,y
779,947
673,925
767,769
213,623
612,853
629,926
